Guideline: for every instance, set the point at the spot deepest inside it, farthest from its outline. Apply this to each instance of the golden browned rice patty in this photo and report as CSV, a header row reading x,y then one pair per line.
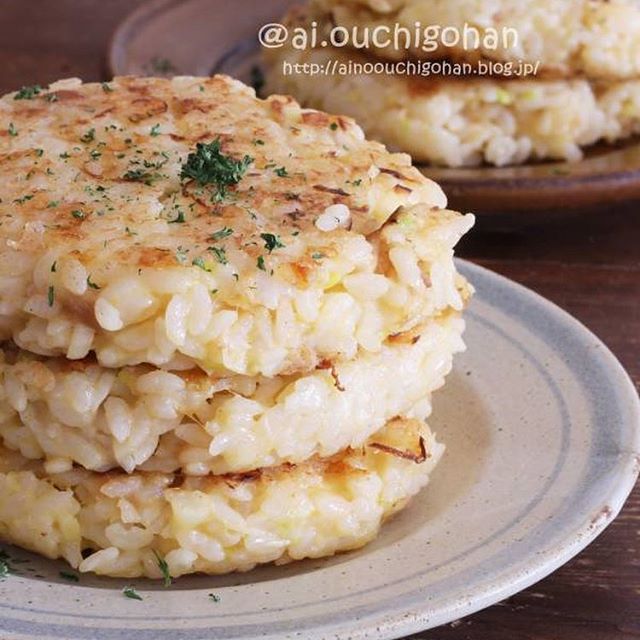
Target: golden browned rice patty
x,y
130,525
284,239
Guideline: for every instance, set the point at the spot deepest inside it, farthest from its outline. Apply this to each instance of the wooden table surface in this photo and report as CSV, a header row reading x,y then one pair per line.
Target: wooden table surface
x,y
589,265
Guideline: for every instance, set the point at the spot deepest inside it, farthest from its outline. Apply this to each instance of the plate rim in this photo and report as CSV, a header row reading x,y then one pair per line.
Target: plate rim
x,y
398,625
126,27
393,623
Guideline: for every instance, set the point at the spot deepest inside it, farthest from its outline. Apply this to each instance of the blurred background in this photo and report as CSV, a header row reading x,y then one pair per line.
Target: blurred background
x,y
587,262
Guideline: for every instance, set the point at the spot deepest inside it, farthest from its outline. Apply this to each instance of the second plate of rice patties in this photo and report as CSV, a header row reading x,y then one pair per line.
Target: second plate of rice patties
x,y
184,222
567,38
452,121
558,137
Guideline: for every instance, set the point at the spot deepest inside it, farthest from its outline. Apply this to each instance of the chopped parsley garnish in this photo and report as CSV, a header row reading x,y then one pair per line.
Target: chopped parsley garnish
x,y
23,199
357,183
179,219
282,172
91,284
214,597
39,152
106,87
225,232
333,126
64,155
71,577
208,165
258,142
13,132
76,213
271,242
130,592
51,97
95,154
155,130
89,136
260,263
140,175
220,254
181,255
28,93
201,264
164,568
318,256
51,295
54,266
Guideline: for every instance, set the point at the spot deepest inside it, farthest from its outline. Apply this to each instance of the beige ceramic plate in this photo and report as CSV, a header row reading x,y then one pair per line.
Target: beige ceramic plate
x,y
542,429
203,36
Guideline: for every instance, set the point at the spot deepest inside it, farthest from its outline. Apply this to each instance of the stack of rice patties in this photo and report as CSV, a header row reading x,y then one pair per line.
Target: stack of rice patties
x,y
223,320
586,89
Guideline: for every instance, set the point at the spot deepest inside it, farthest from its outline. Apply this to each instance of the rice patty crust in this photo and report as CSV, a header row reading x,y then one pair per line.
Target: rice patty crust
x,y
215,524
145,418
312,243
597,39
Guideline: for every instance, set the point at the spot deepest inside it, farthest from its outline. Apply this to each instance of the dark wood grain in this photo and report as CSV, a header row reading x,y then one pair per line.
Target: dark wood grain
x,y
589,265
45,40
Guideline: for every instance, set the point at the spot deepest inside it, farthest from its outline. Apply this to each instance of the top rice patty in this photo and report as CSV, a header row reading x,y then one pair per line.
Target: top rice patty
x,y
283,239
596,38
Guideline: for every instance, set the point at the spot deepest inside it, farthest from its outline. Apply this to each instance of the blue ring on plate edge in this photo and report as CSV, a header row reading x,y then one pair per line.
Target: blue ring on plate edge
x,y
558,465
550,324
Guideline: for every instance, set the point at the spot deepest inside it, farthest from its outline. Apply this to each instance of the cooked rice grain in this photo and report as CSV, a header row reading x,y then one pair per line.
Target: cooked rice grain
x,y
214,524
156,420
